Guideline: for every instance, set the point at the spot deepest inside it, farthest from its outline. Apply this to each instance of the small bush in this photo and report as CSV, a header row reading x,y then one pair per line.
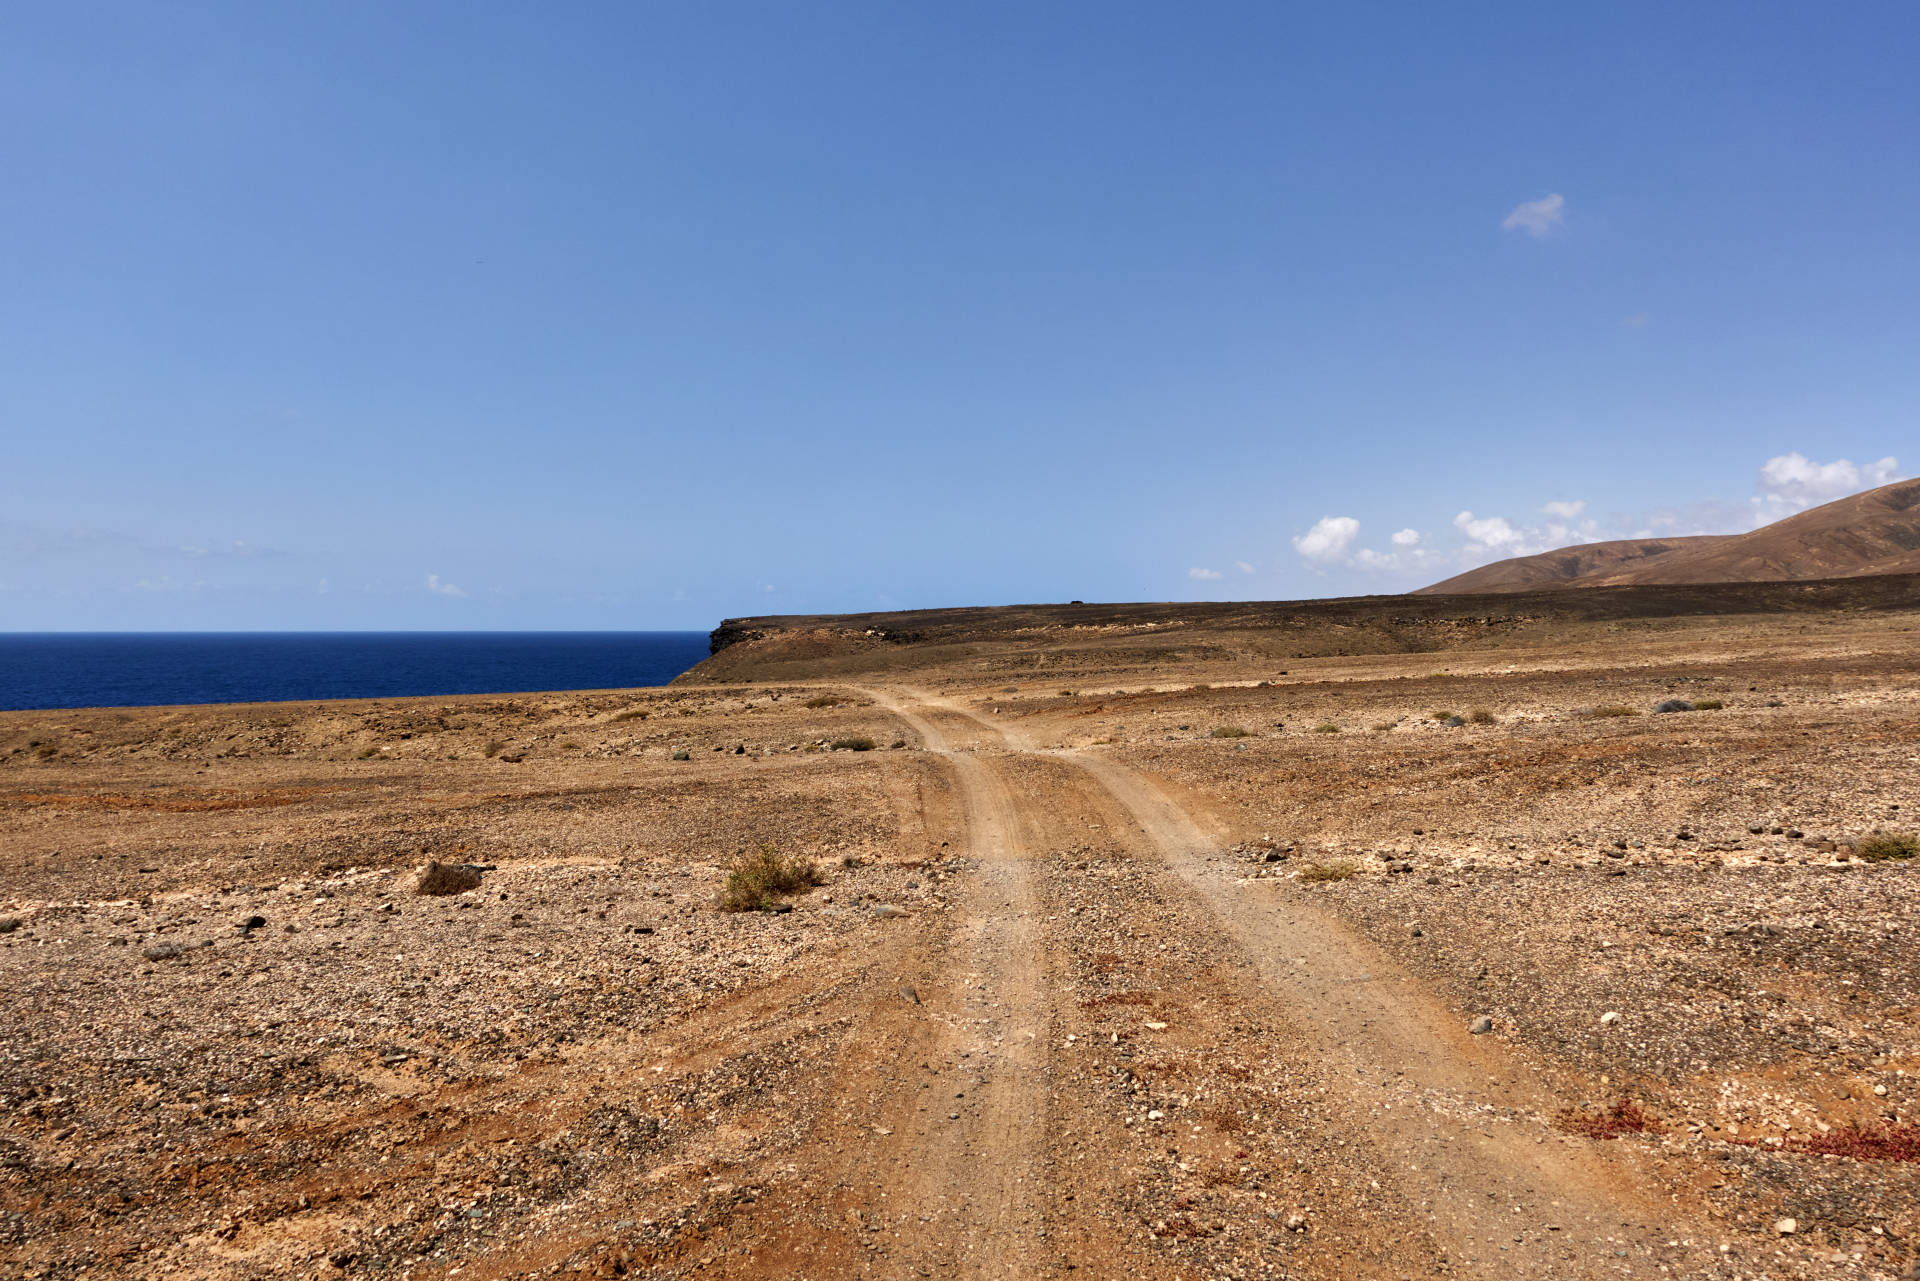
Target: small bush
x,y
1339,869
1442,717
1227,731
1382,727
368,754
822,700
569,746
861,744
631,714
1481,716
1708,705
493,749
683,755
1624,1117
440,879
1672,705
1882,847
754,879
1611,710
1326,727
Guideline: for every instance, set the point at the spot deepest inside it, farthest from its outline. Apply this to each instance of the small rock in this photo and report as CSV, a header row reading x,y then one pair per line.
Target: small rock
x,y
888,910
8,924
907,991
442,879
1609,1018
162,951
1480,1026
1296,1223
1786,1227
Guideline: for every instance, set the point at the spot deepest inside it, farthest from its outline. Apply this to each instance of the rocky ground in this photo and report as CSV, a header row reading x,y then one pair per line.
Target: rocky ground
x,y
1198,960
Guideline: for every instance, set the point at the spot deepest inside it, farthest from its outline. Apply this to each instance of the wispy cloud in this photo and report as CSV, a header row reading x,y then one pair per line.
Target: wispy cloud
x,y
1205,575
1243,566
439,588
1793,482
1537,217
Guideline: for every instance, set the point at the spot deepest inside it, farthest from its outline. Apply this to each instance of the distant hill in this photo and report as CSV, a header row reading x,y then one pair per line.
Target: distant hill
x,y
1877,532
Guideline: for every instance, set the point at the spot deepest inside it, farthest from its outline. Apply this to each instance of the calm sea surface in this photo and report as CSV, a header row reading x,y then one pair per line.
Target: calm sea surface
x,y
131,669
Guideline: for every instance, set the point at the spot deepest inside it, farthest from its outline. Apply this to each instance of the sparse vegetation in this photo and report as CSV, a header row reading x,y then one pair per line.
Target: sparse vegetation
x,y
1326,727
1481,716
857,744
441,879
569,746
1339,869
1610,710
1382,727
1442,717
1891,1141
631,714
822,700
1708,705
1884,847
755,879
683,755
46,751
1228,731
493,748
1624,1117
369,753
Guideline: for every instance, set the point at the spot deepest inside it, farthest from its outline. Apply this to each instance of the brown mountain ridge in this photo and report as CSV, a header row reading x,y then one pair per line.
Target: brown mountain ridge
x,y
1876,532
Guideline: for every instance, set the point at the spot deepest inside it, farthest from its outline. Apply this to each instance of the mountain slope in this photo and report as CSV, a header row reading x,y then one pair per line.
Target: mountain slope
x,y
1877,532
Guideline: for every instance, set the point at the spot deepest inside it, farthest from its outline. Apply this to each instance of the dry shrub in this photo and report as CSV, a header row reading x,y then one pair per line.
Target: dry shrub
x,y
822,700
1481,716
1228,731
1326,727
1882,847
754,879
1892,1141
1624,1117
493,748
631,714
1339,869
441,879
1611,710
1118,998
1708,705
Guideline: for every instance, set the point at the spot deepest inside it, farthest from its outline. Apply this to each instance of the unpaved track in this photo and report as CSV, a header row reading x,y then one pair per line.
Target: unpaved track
x,y
1466,1127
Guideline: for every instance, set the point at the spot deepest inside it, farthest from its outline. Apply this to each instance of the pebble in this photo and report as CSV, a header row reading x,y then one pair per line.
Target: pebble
x,y
1481,1025
161,951
887,910
907,991
1609,1018
1786,1227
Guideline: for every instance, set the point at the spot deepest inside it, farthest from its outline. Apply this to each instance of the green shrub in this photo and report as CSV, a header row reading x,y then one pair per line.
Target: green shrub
x,y
1881,847
1227,731
1442,717
1339,869
1326,727
755,878
683,755
860,744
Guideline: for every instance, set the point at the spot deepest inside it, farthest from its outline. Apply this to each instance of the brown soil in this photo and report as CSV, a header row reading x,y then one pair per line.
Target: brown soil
x,y
1063,1005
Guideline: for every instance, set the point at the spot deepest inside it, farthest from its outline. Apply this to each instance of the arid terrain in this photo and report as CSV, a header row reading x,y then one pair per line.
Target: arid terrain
x,y
1381,939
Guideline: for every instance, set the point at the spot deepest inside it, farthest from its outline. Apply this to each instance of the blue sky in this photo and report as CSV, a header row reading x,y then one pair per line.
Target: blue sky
x,y
557,316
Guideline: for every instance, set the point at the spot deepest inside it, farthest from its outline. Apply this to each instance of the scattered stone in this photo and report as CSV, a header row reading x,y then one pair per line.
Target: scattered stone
x,y
162,951
907,991
1481,1026
1609,1018
8,924
886,911
1298,1222
1786,1227
1673,705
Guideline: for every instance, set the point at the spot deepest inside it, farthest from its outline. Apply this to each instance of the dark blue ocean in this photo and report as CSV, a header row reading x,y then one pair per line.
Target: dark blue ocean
x,y
91,669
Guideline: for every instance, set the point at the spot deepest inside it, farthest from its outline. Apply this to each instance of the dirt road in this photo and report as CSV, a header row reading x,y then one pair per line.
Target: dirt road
x,y
946,1155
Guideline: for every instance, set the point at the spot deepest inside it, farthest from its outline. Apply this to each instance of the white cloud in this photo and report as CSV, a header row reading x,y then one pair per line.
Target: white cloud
x,y
439,588
1793,482
1328,540
1407,538
1243,566
1567,510
1492,532
1204,575
1537,217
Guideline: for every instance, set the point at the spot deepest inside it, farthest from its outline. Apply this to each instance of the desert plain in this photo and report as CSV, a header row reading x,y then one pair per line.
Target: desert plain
x,y
1378,939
